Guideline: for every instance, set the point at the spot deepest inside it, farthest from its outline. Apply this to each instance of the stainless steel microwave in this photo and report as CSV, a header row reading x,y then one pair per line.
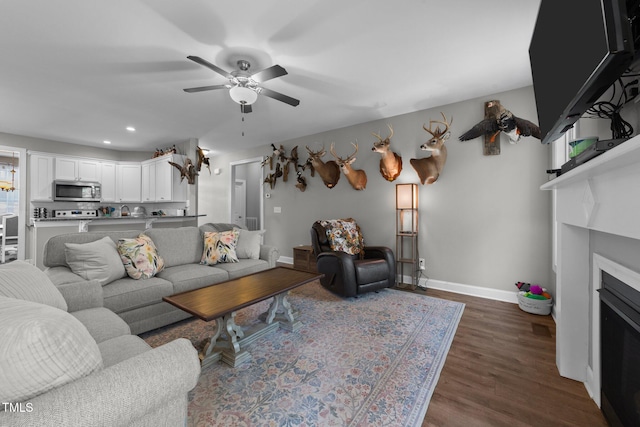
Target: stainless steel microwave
x,y
76,191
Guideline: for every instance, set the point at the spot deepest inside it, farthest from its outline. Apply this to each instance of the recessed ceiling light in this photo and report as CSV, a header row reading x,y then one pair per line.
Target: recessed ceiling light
x,y
131,129
106,142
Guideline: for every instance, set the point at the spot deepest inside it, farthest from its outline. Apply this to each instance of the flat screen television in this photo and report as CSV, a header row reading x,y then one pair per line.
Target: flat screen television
x,y
579,48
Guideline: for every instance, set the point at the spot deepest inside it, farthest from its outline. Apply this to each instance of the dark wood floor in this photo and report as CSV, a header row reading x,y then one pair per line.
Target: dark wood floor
x,y
501,371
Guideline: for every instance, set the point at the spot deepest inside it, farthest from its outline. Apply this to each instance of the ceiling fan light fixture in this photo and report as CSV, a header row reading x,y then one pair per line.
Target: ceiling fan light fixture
x,y
243,95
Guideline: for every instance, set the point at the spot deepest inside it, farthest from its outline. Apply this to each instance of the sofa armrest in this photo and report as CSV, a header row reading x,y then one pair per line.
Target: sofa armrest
x,y
386,254
121,395
269,254
82,295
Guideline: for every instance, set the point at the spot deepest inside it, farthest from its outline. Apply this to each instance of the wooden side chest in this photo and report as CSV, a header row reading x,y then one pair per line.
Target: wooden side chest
x,y
304,259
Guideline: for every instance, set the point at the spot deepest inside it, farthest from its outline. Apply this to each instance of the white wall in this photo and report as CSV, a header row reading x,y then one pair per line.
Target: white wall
x,y
484,223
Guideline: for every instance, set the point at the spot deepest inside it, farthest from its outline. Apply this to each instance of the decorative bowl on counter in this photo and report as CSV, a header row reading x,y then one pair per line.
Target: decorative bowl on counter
x,y
139,211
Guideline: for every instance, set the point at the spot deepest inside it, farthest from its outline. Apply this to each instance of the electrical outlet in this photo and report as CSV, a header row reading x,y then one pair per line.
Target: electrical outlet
x,y
421,264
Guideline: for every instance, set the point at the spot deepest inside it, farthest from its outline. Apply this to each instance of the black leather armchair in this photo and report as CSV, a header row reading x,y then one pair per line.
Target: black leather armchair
x,y
346,274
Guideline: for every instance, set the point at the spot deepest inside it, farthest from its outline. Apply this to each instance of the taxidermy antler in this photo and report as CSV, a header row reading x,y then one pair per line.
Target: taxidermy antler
x,y
188,170
390,163
429,168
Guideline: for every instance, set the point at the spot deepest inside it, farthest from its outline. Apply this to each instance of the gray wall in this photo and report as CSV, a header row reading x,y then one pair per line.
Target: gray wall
x,y
483,223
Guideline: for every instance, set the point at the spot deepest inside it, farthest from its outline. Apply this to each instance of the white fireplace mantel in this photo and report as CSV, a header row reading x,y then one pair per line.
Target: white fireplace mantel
x,y
604,193
601,195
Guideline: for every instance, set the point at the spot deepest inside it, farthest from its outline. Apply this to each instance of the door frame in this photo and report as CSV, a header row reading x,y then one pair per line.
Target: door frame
x,y
232,183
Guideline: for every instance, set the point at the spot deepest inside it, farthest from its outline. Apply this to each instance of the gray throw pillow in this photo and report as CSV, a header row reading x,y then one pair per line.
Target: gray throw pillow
x,y
248,245
21,280
97,260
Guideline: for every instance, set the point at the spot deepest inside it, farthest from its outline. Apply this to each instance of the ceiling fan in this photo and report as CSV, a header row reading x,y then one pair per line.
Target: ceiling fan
x,y
243,86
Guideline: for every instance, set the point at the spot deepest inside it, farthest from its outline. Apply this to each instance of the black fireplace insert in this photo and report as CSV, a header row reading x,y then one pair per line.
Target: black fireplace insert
x,y
620,352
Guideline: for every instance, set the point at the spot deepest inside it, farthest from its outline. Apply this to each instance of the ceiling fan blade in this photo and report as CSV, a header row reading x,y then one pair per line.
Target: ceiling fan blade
x,y
203,88
245,108
209,65
269,73
280,97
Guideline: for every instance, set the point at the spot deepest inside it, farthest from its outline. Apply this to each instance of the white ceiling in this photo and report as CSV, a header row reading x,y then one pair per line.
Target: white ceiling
x,y
81,71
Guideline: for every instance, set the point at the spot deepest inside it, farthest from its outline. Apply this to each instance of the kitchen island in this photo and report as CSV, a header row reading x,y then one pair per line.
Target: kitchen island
x,y
40,230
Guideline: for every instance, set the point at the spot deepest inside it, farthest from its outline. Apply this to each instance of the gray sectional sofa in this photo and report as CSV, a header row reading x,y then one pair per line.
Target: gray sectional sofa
x,y
65,360
139,302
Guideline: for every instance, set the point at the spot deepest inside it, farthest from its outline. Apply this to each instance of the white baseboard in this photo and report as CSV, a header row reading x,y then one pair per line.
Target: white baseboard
x,y
285,260
475,291
458,288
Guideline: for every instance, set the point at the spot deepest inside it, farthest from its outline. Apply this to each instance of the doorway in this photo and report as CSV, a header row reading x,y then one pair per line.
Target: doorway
x,y
247,193
239,209
13,177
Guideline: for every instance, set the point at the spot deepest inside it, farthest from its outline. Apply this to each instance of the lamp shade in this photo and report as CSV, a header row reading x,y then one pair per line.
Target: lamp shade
x,y
406,196
243,95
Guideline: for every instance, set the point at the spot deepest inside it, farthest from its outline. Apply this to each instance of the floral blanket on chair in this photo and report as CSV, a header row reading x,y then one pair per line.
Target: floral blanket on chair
x,y
344,235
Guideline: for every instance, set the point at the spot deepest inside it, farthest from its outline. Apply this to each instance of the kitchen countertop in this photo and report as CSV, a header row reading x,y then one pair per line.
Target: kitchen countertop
x,y
98,218
83,223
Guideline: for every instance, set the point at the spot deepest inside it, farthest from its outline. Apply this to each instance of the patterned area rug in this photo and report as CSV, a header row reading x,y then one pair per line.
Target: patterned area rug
x,y
374,360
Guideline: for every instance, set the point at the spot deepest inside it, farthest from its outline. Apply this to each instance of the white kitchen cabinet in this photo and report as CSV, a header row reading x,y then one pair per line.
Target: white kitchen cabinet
x,y
41,177
128,182
77,169
108,181
161,181
148,184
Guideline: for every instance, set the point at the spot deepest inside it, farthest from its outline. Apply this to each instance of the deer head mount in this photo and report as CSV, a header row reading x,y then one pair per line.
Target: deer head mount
x,y
356,177
390,163
329,171
429,168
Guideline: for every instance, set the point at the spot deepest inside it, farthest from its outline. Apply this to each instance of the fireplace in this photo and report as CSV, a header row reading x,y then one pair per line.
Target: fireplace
x,y
620,352
597,233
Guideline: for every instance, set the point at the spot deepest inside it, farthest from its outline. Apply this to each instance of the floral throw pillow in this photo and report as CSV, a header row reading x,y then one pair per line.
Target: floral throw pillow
x,y
344,235
219,247
140,257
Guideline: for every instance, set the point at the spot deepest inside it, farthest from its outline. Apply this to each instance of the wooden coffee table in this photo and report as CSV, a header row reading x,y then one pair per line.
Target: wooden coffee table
x,y
221,301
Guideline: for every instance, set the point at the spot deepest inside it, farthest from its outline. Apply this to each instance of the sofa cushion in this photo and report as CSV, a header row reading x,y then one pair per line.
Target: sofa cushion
x,y
219,247
140,257
103,324
44,347
244,267
95,260
371,270
128,294
193,276
24,281
248,245
177,245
